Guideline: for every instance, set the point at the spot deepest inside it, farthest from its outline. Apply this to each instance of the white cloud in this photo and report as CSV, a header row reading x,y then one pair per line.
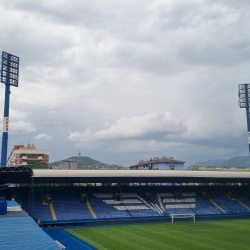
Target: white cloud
x,y
153,124
43,137
163,127
20,122
16,115
21,126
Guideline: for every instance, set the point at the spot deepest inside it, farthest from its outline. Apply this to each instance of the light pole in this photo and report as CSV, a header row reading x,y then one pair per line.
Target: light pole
x,y
244,102
9,76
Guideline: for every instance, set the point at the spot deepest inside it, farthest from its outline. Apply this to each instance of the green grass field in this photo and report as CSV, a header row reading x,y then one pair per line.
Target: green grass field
x,y
229,235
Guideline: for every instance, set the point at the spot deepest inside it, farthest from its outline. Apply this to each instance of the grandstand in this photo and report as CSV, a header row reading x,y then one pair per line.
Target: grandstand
x,y
66,197
59,196
128,202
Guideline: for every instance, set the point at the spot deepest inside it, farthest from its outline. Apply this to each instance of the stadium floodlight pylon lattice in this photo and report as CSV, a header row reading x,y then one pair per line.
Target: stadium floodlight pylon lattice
x,y
182,216
10,77
244,102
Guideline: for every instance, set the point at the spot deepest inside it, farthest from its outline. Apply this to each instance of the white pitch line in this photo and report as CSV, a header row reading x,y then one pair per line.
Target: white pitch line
x,y
75,240
80,236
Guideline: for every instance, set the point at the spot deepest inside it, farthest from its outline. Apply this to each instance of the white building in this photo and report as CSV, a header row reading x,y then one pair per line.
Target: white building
x,y
158,163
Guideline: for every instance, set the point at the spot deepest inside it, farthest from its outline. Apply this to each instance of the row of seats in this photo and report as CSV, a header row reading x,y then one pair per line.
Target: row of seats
x,y
67,204
171,204
170,200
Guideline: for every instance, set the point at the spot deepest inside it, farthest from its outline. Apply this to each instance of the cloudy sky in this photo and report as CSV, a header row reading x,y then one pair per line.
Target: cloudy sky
x,y
128,80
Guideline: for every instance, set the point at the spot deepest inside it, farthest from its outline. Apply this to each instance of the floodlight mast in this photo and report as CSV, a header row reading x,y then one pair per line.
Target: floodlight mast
x,y
244,102
9,76
5,125
248,128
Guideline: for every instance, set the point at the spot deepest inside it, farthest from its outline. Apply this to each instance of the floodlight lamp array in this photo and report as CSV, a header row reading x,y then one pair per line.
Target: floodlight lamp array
x,y
244,95
10,69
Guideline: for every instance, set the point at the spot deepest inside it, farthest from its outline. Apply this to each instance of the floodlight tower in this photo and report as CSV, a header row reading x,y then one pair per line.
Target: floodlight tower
x,y
9,76
244,102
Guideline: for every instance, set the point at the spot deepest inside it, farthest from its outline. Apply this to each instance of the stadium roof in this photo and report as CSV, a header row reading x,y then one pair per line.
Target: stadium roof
x,y
140,176
15,174
121,176
210,168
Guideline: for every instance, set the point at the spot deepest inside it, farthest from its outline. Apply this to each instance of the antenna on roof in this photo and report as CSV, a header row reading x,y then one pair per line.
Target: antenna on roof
x,y
79,154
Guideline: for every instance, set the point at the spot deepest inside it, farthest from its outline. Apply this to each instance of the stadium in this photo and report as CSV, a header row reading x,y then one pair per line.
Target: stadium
x,y
125,209
155,204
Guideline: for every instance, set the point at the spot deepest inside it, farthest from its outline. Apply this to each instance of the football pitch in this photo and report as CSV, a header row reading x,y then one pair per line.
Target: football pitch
x,y
200,235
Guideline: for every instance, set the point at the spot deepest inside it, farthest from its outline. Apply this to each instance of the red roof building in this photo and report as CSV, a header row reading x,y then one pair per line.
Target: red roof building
x,y
22,156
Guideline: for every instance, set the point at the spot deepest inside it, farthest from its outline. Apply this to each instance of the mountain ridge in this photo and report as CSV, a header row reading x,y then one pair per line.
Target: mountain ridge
x,y
237,161
85,162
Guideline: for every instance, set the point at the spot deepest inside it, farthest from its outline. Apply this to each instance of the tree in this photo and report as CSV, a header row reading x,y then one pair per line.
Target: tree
x,y
38,165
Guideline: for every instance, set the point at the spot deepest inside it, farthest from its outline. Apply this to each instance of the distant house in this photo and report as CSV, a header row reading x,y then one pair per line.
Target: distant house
x,y
158,163
22,156
68,164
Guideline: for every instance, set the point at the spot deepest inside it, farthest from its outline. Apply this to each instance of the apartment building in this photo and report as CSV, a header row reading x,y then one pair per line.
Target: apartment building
x,y
22,156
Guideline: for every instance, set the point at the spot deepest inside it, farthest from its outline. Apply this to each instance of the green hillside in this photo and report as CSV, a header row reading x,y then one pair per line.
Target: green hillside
x,y
84,162
238,161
